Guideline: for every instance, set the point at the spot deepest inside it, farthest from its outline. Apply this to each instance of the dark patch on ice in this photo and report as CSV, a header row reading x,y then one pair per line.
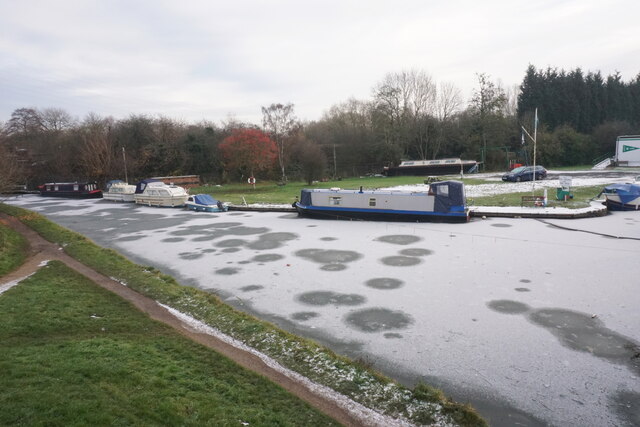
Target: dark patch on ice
x,y
250,288
304,315
267,257
508,307
235,213
289,216
399,239
333,267
202,239
230,250
586,333
208,251
227,271
400,261
246,262
269,241
328,256
328,297
626,405
129,238
525,281
328,239
194,230
190,255
378,319
416,252
501,225
523,289
392,335
312,225
173,239
384,283
231,243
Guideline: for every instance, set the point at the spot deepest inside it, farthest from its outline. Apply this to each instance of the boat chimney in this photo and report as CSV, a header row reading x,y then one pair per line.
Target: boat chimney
x,y
361,188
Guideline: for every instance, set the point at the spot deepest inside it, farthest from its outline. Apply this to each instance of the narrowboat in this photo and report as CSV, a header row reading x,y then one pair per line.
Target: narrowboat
x,y
432,167
152,192
78,190
119,191
444,201
622,197
205,203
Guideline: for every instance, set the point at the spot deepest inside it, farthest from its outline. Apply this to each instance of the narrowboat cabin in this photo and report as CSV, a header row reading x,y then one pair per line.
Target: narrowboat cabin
x,y
432,167
205,203
445,201
76,190
119,191
152,192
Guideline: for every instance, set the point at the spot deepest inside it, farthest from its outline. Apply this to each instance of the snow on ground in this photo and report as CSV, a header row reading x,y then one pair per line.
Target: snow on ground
x,y
531,323
500,187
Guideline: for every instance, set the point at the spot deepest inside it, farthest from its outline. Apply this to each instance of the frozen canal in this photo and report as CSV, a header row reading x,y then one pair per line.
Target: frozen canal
x,y
531,323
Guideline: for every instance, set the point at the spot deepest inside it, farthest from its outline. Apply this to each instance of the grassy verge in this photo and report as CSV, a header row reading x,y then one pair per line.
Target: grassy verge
x,y
581,198
76,354
13,250
423,405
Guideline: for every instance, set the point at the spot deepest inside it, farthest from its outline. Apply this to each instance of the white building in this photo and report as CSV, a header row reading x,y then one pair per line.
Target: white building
x,y
628,150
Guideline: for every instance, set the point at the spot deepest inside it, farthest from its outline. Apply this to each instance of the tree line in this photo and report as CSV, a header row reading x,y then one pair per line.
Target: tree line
x,y
408,116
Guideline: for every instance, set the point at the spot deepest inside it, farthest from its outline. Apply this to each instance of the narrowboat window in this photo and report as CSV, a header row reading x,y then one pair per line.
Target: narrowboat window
x,y
75,187
48,188
443,190
408,163
372,202
55,188
190,199
450,161
334,200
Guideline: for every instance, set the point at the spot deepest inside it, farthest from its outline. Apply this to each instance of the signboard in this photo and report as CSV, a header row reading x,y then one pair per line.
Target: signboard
x,y
628,150
565,181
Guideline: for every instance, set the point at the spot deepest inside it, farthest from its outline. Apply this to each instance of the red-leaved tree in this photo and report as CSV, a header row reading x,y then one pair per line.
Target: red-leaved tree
x,y
248,151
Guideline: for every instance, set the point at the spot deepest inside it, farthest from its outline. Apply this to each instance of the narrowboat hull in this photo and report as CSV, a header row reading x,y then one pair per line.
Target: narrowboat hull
x,y
72,190
379,215
432,167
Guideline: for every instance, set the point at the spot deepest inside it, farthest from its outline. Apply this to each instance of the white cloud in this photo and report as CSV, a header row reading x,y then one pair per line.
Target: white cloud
x,y
202,59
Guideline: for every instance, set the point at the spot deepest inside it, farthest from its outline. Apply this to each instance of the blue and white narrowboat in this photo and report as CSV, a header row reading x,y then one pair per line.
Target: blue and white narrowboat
x,y
445,201
205,203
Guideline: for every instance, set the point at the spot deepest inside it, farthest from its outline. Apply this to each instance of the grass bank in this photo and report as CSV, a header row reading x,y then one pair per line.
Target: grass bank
x,y
13,250
76,354
423,405
581,198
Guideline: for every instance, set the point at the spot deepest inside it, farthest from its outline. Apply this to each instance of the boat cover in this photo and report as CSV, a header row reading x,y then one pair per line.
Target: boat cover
x,y
626,192
204,199
143,184
448,194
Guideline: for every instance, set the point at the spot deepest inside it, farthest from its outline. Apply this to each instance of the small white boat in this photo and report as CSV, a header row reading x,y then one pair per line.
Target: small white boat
x,y
205,203
622,197
119,191
152,192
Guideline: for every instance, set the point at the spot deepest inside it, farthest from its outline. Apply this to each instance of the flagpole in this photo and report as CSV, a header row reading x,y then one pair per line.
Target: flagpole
x,y
535,136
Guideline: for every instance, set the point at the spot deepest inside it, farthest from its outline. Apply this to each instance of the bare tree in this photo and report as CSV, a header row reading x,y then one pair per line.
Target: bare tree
x,y
56,119
487,102
279,121
97,152
406,100
448,102
10,170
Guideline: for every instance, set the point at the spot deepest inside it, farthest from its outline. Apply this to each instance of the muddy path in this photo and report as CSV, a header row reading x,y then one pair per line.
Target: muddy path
x,y
41,250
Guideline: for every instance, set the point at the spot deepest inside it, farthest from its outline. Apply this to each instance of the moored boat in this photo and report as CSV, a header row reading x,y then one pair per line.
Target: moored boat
x,y
445,201
205,203
152,192
119,191
622,197
432,167
77,190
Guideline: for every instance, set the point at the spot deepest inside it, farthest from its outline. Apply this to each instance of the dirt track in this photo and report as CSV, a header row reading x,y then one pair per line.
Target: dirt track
x,y
41,250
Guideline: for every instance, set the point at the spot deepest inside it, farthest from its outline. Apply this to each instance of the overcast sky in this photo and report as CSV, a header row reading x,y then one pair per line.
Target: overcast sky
x,y
212,60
